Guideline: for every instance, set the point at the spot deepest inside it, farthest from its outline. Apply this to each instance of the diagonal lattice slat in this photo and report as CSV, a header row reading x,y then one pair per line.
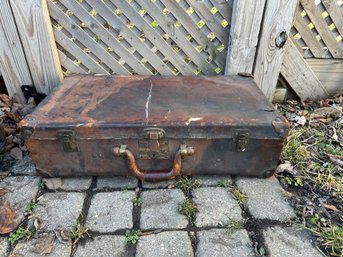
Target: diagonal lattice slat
x,y
167,37
318,28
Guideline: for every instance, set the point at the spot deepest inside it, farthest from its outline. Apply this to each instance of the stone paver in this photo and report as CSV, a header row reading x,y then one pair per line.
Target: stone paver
x,y
160,209
266,199
102,246
289,241
172,243
3,246
59,210
109,212
220,243
68,184
216,207
23,167
45,244
116,182
162,184
212,180
20,191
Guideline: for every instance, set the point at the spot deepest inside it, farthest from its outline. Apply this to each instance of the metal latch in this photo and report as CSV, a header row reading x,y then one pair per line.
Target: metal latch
x,y
241,140
153,145
68,140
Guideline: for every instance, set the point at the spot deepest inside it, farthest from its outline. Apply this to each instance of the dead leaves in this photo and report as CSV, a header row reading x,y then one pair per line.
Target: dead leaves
x,y
6,219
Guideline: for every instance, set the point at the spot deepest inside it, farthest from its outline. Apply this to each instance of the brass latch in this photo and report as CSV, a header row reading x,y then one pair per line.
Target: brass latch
x,y
153,145
68,140
241,140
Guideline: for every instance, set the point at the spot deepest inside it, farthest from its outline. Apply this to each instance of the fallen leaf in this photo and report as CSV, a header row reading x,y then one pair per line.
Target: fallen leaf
x,y
52,183
3,191
286,167
6,219
6,100
330,207
45,243
16,153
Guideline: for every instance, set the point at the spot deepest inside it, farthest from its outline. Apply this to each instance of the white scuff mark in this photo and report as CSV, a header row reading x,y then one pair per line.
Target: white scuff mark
x,y
193,119
147,102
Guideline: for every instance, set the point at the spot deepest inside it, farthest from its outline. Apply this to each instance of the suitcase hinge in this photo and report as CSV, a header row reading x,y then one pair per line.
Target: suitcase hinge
x,y
68,140
241,140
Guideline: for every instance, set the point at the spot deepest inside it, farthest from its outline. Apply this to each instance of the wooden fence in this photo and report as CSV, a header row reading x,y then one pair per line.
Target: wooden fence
x,y
41,40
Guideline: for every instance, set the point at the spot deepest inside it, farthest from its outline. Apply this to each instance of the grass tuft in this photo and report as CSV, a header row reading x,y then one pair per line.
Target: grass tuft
x,y
234,226
20,233
189,209
187,184
132,236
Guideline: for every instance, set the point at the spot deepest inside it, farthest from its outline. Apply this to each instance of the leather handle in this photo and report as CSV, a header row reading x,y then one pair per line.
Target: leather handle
x,y
154,176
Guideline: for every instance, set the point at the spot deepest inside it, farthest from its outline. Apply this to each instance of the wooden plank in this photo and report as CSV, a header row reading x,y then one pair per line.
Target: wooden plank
x,y
277,23
131,37
224,8
335,13
178,37
309,37
245,28
86,39
322,27
34,27
13,66
300,76
329,72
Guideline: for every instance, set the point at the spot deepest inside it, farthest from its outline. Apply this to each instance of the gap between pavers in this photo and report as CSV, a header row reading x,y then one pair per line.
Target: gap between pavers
x,y
59,210
266,198
20,191
216,205
289,241
110,211
221,243
171,243
105,245
160,209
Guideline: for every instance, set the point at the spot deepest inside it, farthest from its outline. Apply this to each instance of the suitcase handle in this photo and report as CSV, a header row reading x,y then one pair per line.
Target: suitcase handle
x,y
154,176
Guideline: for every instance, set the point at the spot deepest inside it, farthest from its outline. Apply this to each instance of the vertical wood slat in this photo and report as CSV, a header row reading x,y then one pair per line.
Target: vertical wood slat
x,y
34,27
13,65
300,76
278,17
245,27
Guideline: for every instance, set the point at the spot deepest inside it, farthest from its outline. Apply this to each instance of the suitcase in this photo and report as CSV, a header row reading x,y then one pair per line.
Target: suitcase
x,y
155,128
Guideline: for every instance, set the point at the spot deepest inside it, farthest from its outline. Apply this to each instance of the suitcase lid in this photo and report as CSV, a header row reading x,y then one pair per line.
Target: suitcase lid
x,y
187,107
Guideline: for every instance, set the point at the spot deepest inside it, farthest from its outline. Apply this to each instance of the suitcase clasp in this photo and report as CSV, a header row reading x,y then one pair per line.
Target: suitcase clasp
x,y
153,146
68,140
241,140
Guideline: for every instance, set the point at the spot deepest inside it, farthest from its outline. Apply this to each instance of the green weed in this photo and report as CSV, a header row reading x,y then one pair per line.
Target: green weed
x,y
189,209
20,233
132,236
137,201
234,226
187,184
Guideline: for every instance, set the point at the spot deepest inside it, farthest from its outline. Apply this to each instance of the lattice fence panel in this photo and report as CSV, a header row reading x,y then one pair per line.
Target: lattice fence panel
x,y
318,29
167,37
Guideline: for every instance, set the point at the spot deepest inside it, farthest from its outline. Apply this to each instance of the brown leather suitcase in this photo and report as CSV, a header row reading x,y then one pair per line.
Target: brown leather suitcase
x,y
155,128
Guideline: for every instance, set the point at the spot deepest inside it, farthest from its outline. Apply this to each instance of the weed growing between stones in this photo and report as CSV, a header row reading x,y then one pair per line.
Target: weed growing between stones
x,y
132,236
234,226
20,233
78,231
225,183
31,206
241,197
137,201
187,184
189,209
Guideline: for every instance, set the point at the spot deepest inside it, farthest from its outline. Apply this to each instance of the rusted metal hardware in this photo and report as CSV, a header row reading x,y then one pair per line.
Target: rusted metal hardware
x,y
241,140
152,145
67,138
184,151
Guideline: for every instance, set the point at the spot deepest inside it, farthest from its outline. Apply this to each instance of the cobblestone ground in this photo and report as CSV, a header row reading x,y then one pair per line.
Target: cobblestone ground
x,y
236,217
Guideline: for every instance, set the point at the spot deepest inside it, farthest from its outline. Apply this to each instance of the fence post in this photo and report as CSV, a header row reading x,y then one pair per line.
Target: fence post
x,y
277,22
13,65
34,27
245,27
